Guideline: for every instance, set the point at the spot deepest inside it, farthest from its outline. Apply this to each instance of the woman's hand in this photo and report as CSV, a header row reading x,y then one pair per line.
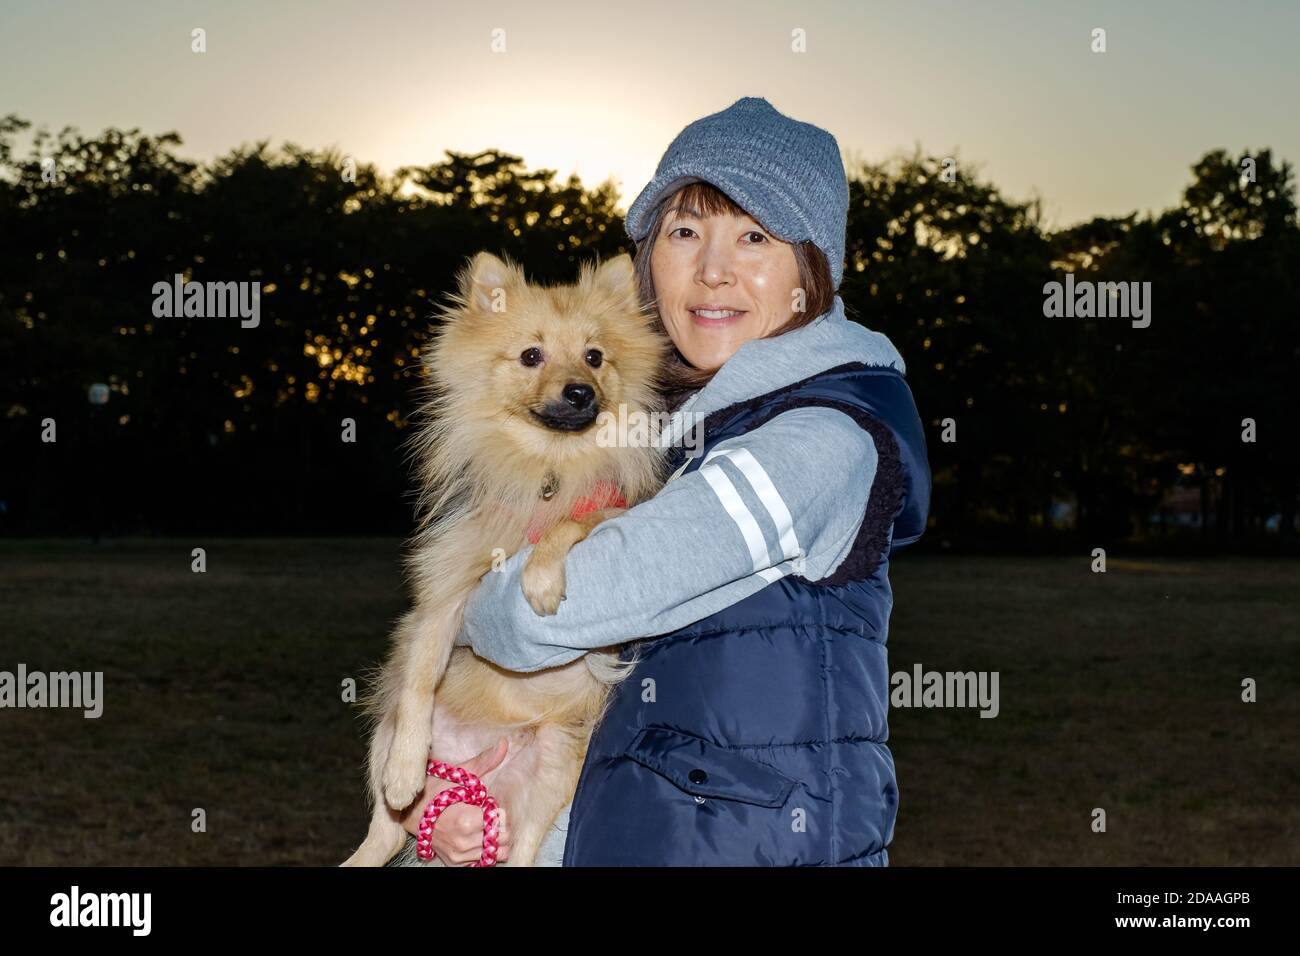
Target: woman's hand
x,y
457,837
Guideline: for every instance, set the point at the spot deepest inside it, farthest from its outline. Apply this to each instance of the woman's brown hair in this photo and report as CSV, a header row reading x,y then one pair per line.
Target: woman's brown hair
x,y
701,199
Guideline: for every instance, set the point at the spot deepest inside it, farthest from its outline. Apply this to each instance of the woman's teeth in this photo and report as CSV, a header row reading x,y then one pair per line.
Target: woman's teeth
x,y
715,313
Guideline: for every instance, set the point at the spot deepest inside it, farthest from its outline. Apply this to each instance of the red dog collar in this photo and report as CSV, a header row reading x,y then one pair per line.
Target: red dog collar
x,y
604,494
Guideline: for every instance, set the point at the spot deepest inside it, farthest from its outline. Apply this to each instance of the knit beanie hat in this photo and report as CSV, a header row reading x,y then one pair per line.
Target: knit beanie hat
x,y
786,174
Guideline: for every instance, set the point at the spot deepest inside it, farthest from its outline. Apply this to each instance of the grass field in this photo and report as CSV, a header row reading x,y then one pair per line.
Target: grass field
x,y
223,692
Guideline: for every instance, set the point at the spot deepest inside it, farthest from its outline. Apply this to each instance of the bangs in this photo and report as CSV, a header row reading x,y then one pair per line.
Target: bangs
x,y
701,200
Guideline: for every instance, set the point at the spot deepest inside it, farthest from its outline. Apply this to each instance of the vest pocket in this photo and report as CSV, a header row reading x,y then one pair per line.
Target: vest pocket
x,y
704,769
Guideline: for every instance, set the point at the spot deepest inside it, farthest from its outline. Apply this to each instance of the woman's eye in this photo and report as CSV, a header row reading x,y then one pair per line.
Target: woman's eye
x,y
682,229
755,232
594,358
531,356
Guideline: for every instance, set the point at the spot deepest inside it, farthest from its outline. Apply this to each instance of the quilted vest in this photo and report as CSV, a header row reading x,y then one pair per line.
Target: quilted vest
x,y
756,736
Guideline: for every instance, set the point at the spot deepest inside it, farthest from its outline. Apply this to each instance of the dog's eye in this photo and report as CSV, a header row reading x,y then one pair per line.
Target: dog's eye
x,y
531,357
594,358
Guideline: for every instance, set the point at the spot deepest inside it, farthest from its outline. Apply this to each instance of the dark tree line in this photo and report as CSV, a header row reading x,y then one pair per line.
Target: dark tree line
x,y
1063,427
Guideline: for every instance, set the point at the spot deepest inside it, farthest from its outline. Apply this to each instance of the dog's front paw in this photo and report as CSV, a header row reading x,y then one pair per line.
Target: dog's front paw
x,y
404,774
543,584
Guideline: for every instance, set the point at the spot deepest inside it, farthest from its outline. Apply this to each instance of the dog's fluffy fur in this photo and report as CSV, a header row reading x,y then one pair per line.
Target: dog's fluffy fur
x,y
495,431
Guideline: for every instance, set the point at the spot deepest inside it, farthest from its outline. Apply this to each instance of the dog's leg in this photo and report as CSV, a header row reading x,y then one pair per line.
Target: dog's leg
x,y
543,576
535,785
426,638
384,838
386,834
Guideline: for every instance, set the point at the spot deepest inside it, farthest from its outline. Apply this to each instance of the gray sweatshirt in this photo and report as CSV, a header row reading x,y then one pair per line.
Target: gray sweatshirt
x,y
786,496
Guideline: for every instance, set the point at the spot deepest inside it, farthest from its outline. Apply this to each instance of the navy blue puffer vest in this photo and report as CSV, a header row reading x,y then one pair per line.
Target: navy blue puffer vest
x,y
756,736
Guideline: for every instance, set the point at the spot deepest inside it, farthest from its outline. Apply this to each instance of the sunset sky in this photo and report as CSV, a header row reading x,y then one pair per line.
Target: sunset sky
x,y
601,88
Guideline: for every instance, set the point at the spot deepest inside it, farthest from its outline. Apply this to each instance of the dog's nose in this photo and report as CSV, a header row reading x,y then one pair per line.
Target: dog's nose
x,y
578,395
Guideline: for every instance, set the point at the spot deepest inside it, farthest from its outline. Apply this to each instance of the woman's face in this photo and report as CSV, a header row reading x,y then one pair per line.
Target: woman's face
x,y
721,281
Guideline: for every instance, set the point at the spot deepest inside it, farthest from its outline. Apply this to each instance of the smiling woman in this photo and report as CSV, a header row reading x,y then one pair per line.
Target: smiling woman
x,y
780,286
752,591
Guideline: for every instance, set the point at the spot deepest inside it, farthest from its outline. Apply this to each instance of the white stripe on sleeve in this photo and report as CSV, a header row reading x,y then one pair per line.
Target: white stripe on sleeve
x,y
735,506
761,483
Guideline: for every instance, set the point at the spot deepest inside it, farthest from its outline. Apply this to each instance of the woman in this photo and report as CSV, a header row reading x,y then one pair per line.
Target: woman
x,y
752,731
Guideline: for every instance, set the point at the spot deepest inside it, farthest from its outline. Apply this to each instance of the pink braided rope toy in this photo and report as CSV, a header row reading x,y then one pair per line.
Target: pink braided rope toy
x,y
470,789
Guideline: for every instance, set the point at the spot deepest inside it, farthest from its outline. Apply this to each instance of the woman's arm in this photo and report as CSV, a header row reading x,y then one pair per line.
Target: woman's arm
x,y
794,488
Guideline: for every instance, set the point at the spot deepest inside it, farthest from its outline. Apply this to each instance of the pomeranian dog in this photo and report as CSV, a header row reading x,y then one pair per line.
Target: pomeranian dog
x,y
508,451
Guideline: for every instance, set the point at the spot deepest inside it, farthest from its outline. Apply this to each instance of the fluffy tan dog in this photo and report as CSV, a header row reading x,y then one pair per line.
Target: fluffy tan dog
x,y
516,377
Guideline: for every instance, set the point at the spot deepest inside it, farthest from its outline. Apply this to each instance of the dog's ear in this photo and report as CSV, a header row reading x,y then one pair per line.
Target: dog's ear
x,y
485,282
617,277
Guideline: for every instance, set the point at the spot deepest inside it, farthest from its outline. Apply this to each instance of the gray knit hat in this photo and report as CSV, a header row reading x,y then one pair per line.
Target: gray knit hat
x,y
786,174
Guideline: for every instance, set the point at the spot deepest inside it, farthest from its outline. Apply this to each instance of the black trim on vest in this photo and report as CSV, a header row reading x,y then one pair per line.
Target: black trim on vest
x,y
885,500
